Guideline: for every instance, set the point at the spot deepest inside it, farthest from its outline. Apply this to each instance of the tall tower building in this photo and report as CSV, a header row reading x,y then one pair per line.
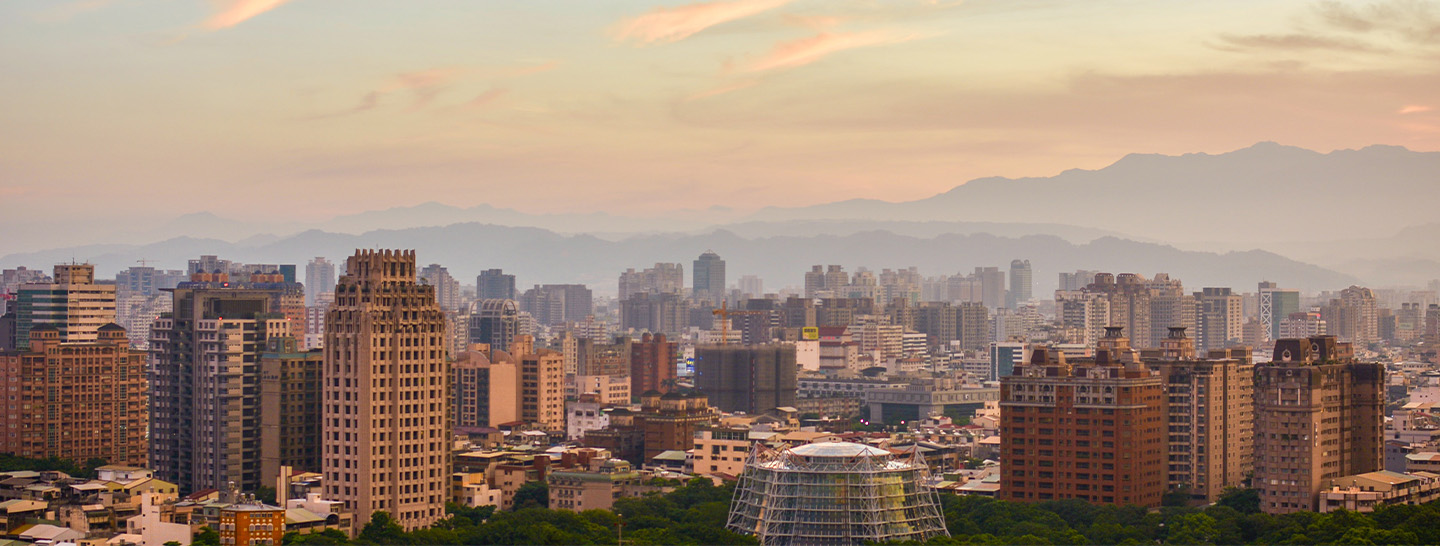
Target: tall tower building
x,y
387,393
75,400
992,286
1219,317
542,384
1276,304
290,383
1021,279
486,388
709,273
1319,415
494,322
494,284
72,303
1211,414
447,289
205,400
1091,429
751,379
1354,317
652,364
319,279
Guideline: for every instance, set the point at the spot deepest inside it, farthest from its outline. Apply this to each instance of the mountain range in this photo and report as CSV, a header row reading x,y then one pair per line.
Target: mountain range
x,y
1268,208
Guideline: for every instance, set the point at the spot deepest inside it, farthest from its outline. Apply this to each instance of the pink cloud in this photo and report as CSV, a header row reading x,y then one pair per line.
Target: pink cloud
x,y
235,12
808,50
1414,109
736,86
487,97
665,25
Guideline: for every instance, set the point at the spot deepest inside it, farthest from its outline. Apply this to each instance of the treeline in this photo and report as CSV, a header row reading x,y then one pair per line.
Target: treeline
x,y
10,462
693,514
1235,519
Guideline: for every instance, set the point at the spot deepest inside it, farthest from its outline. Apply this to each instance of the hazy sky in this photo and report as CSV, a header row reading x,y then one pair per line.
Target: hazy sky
x,y
269,108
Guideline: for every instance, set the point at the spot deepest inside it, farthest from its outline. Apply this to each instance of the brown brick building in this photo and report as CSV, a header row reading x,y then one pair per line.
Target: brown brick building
x,y
252,524
1319,415
1210,414
1089,429
75,400
652,364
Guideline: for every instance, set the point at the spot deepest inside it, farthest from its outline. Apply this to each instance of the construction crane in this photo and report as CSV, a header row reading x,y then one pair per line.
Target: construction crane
x,y
725,313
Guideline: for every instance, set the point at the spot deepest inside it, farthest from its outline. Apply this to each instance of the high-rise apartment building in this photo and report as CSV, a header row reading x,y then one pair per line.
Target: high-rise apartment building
x,y
147,281
659,313
495,323
1319,415
74,400
290,383
1086,314
1021,279
664,278
992,286
752,286
1071,282
751,379
1301,325
652,364
447,289
1276,304
542,385
1219,318
1088,429
1353,317
1129,298
1211,414
319,279
494,284
709,275
205,400
486,388
73,303
553,304
387,394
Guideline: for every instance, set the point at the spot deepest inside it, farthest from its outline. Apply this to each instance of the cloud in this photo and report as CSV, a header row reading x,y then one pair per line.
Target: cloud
x,y
667,25
487,97
808,50
235,12
424,86
734,86
1414,109
1299,42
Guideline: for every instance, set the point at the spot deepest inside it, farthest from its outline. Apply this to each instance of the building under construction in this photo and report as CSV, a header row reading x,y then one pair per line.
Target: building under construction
x,y
837,493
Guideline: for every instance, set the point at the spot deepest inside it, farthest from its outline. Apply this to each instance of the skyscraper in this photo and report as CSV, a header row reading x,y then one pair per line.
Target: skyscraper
x,y
1211,414
386,398
447,289
1021,278
992,286
205,398
319,279
553,304
73,303
494,322
1276,304
494,284
542,385
290,383
75,400
709,274
1219,318
652,364
664,278
1318,415
751,379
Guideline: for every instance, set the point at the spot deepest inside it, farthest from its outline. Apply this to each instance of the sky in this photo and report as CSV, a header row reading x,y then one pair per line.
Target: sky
x,y
291,109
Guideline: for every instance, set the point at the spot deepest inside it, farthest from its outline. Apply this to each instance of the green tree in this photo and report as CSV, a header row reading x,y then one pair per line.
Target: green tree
x,y
382,529
265,494
1245,501
532,495
205,537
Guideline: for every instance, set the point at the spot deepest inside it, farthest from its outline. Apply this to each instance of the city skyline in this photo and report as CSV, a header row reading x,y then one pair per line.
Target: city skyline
x,y
714,102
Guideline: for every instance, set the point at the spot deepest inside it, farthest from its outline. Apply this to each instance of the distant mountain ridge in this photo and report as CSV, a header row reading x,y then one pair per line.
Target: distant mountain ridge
x,y
1265,193
542,256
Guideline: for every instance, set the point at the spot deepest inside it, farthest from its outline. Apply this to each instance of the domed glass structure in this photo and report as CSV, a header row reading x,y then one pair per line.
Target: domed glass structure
x,y
834,493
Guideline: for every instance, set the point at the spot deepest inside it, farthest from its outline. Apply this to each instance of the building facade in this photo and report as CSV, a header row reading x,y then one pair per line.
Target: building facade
x,y
387,394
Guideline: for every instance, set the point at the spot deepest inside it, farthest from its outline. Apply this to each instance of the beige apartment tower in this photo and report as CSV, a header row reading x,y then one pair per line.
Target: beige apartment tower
x,y
1318,416
1210,414
386,416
